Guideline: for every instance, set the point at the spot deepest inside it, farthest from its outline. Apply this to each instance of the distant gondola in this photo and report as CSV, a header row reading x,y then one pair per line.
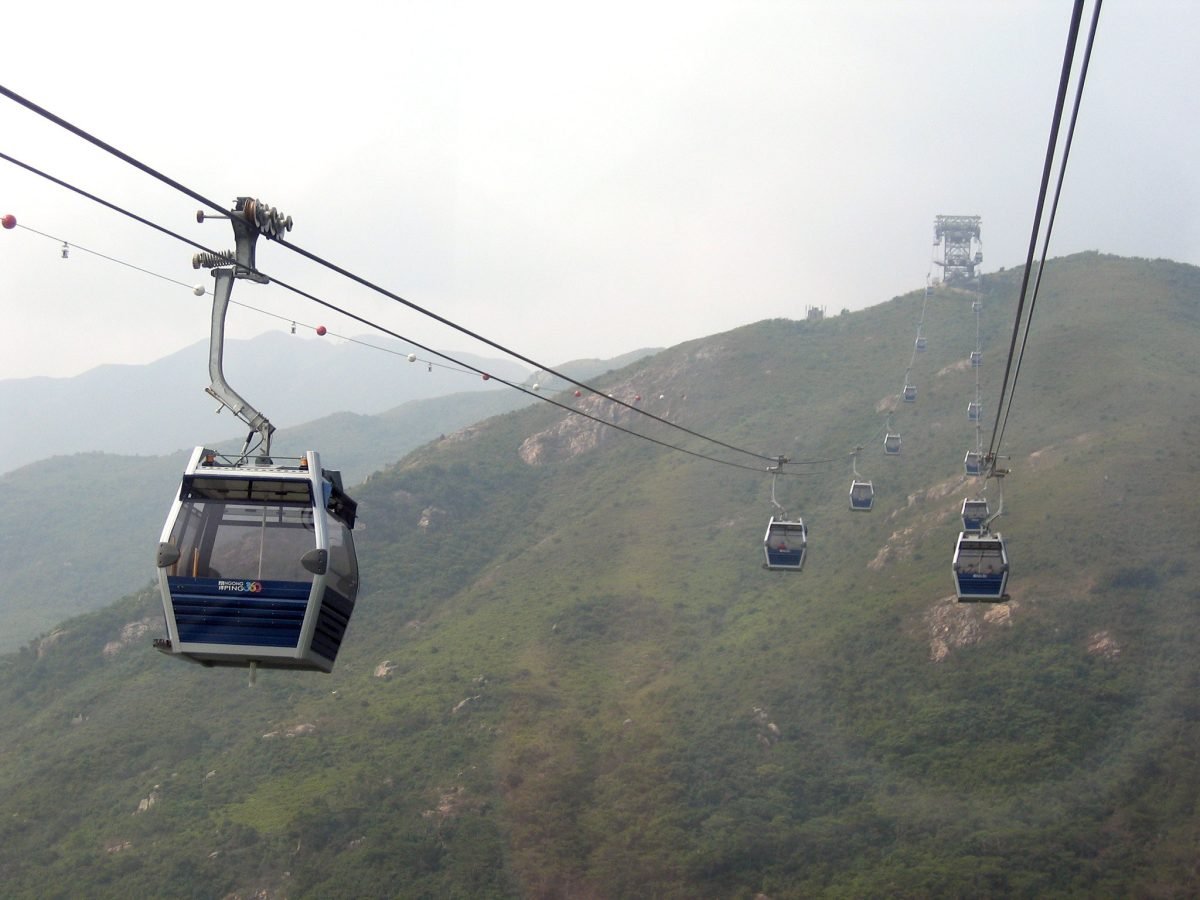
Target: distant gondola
x,y
256,564
785,544
974,411
976,359
980,568
891,444
910,393
862,496
974,515
973,463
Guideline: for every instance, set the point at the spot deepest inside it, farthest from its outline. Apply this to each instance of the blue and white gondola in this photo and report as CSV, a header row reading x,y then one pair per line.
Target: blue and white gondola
x,y
973,463
980,568
256,564
974,515
785,545
862,496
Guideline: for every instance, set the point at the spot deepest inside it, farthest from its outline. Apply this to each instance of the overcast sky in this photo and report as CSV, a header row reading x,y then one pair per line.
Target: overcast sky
x,y
572,180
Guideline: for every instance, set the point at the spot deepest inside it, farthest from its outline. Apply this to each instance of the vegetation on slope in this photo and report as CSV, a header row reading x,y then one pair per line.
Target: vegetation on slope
x,y
569,676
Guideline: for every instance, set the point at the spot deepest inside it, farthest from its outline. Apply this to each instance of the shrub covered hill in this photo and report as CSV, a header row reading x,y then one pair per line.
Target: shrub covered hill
x,y
569,676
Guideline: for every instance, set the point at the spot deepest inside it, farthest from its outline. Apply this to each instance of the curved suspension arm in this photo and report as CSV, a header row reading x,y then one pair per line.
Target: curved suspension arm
x,y
249,219
775,470
220,388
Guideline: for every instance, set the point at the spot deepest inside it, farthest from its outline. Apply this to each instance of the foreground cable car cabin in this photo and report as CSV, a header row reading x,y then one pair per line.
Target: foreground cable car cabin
x,y
785,545
891,444
256,564
862,496
974,515
980,568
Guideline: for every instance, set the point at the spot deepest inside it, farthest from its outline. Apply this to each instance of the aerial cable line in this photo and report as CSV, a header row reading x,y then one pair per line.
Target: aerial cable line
x,y
1062,168
154,173
200,290
1052,143
374,325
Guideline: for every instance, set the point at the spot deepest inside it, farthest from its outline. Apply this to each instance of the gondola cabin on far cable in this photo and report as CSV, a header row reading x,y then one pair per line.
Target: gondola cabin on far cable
x,y
974,515
891,444
980,568
973,463
862,496
256,563
785,544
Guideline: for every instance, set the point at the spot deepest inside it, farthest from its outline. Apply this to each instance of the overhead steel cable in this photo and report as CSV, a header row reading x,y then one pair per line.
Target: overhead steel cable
x,y
1062,169
199,289
383,330
1047,168
313,257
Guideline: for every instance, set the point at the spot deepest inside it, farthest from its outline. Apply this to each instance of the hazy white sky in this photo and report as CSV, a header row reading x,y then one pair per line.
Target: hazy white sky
x,y
573,180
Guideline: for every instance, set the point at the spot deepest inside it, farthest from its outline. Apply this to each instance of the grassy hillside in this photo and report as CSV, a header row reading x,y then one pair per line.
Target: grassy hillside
x,y
568,675
74,530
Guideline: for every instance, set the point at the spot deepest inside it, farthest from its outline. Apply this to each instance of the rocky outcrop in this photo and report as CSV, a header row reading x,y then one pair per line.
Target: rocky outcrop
x,y
952,625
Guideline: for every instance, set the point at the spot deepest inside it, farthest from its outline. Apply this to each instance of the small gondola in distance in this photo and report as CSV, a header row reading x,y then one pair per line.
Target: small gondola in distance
x,y
862,496
785,545
975,514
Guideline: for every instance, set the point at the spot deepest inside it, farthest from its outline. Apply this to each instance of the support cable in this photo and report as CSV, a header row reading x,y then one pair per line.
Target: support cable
x,y
313,257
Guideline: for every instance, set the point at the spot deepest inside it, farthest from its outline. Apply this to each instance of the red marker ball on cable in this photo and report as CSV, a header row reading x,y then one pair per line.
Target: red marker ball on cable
x,y
320,330
9,220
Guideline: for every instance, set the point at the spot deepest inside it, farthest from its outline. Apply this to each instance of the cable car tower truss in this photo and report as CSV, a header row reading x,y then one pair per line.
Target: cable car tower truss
x,y
250,218
962,246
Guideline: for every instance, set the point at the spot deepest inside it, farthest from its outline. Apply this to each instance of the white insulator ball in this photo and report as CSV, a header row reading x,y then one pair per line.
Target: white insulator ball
x,y
412,357
198,290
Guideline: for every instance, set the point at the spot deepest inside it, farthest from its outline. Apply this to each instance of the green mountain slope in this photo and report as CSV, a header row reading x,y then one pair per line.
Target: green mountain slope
x,y
74,529
568,675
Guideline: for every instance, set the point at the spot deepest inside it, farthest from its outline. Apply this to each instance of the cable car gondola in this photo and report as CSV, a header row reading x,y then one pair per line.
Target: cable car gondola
x,y
910,393
920,344
980,568
785,544
976,359
862,496
256,564
974,411
891,444
974,515
973,463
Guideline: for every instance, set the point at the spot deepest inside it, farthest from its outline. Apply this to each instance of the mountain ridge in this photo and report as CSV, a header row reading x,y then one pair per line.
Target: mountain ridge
x,y
568,674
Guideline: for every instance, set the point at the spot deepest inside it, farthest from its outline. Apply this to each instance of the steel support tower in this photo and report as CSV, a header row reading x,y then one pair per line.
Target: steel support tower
x,y
961,245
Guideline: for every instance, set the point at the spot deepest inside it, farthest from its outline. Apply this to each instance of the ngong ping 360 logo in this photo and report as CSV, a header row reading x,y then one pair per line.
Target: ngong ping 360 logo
x,y
240,587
